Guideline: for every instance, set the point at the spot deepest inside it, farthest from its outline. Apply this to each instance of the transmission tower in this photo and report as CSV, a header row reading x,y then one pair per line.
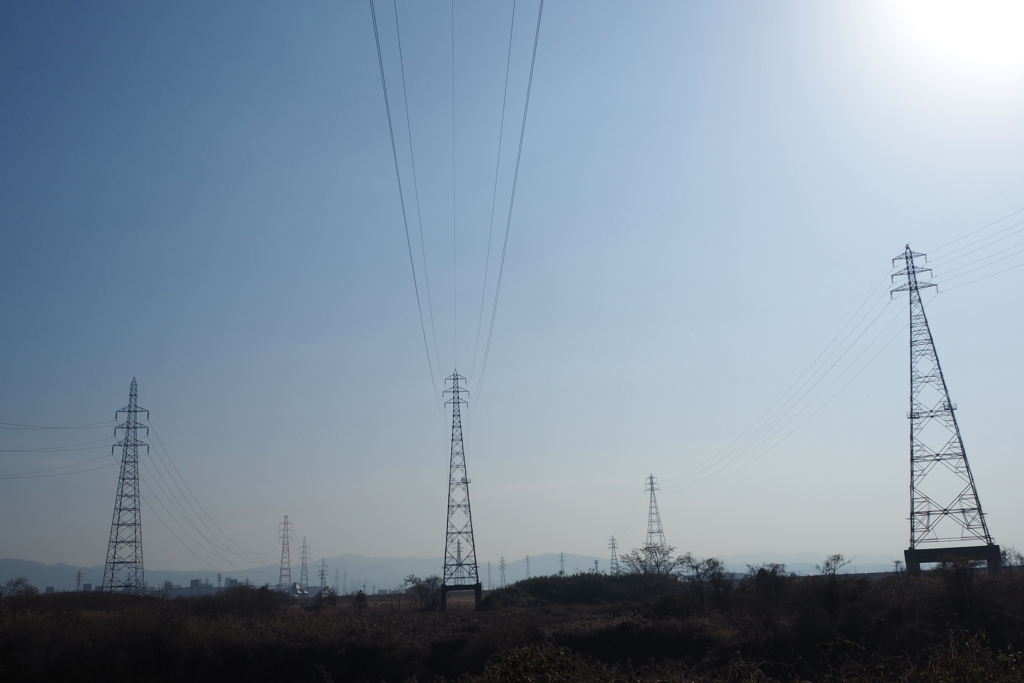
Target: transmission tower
x,y
561,564
460,568
613,566
78,581
655,533
501,567
304,572
284,579
527,566
323,575
944,503
123,572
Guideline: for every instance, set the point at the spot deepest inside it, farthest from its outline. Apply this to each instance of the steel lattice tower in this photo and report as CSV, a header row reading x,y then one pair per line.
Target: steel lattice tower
x,y
655,533
460,568
323,575
613,567
944,503
284,579
304,571
123,572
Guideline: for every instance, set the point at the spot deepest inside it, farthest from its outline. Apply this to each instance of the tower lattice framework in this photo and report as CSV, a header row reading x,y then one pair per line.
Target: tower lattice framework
x,y
123,570
284,578
655,532
460,566
304,571
944,503
613,566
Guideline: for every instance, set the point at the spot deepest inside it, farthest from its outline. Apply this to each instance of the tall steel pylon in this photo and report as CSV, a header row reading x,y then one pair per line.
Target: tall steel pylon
x,y
613,567
655,533
123,571
323,575
460,568
944,503
284,578
304,571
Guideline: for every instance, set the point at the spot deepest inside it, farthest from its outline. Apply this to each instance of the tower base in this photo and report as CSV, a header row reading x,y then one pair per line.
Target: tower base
x,y
477,589
991,554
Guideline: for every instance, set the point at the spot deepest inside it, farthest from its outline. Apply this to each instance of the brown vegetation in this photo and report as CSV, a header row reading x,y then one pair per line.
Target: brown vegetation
x,y
951,625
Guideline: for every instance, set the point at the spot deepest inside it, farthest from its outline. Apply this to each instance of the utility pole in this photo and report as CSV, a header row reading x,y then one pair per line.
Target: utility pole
x,y
284,578
944,503
304,571
613,568
123,571
460,567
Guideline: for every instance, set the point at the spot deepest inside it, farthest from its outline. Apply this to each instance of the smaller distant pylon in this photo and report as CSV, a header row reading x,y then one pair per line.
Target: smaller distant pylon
x,y
614,565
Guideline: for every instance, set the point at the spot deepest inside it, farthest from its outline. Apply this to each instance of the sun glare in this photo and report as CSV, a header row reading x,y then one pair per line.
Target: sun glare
x,y
989,32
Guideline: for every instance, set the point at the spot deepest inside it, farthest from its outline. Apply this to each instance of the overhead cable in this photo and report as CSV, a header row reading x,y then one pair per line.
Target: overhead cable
x,y
511,203
401,195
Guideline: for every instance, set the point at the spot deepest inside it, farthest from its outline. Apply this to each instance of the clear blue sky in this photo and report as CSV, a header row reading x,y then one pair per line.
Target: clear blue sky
x,y
202,196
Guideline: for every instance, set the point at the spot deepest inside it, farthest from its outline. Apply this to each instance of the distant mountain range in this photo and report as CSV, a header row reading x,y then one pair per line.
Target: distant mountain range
x,y
357,572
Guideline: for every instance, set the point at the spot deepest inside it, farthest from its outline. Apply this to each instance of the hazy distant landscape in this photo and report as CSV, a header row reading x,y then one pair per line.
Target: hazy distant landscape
x,y
390,572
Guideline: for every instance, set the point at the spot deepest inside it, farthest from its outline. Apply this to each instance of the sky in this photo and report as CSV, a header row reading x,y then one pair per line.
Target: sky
x,y
203,196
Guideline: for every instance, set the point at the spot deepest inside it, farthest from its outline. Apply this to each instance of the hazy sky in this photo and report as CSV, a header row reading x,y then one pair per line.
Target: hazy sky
x,y
203,196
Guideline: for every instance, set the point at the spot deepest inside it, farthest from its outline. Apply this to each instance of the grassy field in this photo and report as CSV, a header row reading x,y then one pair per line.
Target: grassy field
x,y
951,625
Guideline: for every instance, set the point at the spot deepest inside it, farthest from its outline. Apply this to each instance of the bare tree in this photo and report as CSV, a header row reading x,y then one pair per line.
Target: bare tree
x,y
1011,558
18,587
832,565
650,560
424,591
704,574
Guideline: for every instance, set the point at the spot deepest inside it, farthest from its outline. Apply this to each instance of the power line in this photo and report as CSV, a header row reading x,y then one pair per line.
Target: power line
x,y
508,221
401,196
704,483
19,475
974,232
494,193
167,455
61,474
416,189
95,425
455,253
798,389
971,282
944,259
